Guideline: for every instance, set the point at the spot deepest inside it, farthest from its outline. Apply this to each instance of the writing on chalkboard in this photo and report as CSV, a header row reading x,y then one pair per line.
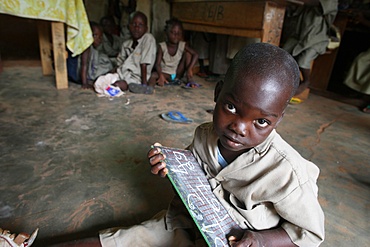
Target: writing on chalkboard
x,y
190,182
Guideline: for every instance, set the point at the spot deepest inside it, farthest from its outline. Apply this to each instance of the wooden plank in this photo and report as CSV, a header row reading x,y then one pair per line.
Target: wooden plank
x,y
224,30
255,19
59,47
273,23
242,15
43,28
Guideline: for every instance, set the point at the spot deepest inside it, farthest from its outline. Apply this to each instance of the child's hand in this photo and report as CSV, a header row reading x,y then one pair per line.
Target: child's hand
x,y
272,237
161,80
252,239
156,161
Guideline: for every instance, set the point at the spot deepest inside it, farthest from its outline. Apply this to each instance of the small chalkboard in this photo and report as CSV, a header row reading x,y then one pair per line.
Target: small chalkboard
x,y
190,182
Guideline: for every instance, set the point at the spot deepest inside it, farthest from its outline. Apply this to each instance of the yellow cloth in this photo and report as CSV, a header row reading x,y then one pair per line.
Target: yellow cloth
x,y
70,12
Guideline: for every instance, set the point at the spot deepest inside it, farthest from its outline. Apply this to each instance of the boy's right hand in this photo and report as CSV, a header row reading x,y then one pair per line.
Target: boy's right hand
x,y
158,166
161,80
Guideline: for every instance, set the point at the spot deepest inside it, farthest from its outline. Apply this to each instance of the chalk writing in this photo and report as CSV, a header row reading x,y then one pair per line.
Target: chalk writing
x,y
189,180
214,12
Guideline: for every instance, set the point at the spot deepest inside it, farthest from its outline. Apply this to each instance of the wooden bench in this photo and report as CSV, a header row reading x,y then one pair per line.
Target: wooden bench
x,y
249,18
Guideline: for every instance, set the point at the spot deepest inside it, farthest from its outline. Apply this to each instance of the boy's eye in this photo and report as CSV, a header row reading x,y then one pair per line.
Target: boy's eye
x,y
262,122
230,108
139,25
175,33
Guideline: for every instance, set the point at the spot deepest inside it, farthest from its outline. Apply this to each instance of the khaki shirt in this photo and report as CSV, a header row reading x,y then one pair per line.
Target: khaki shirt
x,y
129,60
268,186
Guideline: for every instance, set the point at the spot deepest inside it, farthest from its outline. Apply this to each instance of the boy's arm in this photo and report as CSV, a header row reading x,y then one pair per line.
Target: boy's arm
x,y
143,68
275,237
121,57
161,79
194,59
84,63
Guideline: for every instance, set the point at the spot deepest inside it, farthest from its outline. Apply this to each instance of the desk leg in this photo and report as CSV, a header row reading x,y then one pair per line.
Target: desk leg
x,y
273,23
43,28
59,47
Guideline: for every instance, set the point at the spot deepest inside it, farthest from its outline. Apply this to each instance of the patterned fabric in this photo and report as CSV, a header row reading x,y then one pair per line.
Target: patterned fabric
x,y
70,12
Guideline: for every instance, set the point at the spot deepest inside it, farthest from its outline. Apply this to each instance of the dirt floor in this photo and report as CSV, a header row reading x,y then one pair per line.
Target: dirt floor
x,y
72,163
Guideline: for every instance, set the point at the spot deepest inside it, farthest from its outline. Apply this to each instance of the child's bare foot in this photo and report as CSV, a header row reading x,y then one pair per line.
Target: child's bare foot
x,y
121,84
87,86
366,109
8,239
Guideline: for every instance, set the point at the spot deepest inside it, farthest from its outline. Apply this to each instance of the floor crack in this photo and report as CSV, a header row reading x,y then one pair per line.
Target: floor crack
x,y
319,131
322,129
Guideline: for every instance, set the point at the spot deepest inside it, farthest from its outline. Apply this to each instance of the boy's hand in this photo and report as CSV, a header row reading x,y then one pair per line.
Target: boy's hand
x,y
251,239
274,237
161,80
156,161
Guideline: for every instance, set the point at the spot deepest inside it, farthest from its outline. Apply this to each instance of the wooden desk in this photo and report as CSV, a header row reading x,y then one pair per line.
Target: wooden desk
x,y
248,18
59,13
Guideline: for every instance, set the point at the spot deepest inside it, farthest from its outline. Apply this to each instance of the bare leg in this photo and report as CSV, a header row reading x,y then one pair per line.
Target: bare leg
x,y
153,79
121,84
181,67
305,82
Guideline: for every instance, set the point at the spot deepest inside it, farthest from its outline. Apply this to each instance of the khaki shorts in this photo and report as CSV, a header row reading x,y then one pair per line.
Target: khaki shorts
x,y
151,233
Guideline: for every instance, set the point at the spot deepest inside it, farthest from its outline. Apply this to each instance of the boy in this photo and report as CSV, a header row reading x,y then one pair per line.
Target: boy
x,y
91,64
265,185
112,43
136,59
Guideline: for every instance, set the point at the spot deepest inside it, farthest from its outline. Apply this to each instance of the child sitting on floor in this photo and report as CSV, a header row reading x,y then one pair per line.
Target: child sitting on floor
x,y
91,63
136,59
174,57
264,184
112,43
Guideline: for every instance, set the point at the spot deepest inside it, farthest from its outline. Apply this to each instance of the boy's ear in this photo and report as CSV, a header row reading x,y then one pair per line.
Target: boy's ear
x,y
218,89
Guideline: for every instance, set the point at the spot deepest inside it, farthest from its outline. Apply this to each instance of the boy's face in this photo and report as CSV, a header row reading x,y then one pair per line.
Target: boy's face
x,y
247,109
175,34
108,26
98,36
137,27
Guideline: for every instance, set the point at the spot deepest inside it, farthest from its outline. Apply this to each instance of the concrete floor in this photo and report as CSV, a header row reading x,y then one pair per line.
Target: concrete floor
x,y
72,163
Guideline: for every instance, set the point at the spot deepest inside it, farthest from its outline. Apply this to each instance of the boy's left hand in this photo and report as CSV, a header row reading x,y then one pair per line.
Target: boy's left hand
x,y
156,161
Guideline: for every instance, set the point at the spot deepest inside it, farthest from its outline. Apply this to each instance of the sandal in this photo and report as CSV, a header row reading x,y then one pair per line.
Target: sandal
x,y
202,74
176,117
176,82
13,240
366,109
140,88
191,85
295,101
